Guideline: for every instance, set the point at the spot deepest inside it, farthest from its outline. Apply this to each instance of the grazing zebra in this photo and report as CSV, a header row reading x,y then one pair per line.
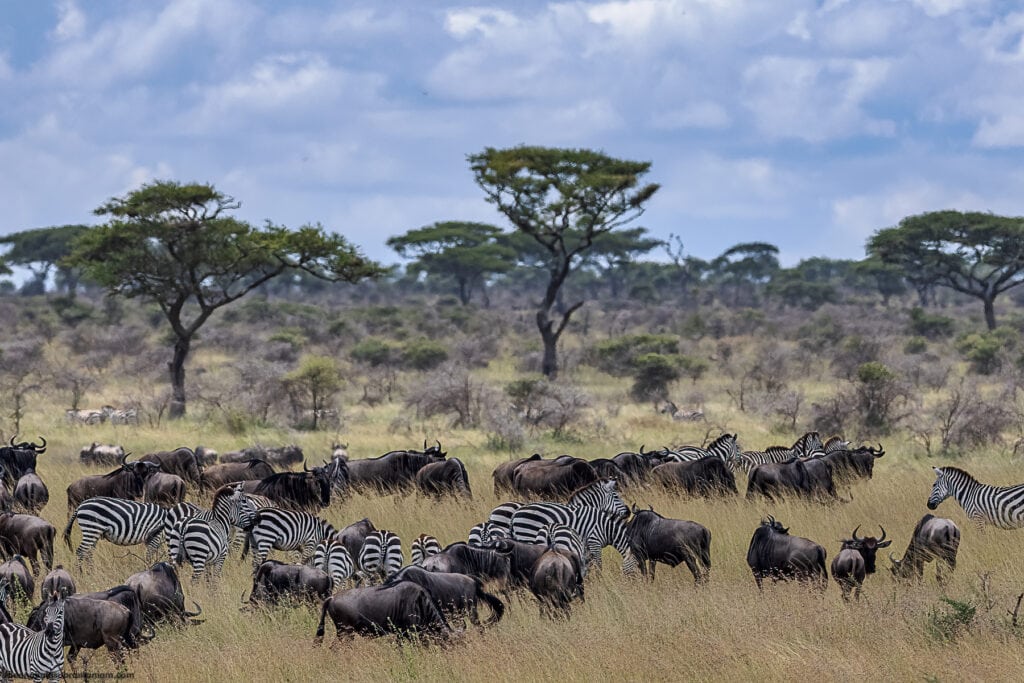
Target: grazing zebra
x,y
333,557
205,538
724,447
423,547
122,522
381,555
1002,506
283,530
807,446
597,528
562,537
34,654
602,494
484,532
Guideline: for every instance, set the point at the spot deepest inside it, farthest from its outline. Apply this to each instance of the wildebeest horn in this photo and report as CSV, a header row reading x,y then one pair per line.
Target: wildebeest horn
x,y
13,437
438,441
855,537
199,610
124,458
424,444
892,558
883,533
304,467
641,449
879,453
41,447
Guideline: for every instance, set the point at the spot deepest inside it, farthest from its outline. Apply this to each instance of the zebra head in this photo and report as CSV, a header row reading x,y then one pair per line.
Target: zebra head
x,y
608,499
941,490
53,620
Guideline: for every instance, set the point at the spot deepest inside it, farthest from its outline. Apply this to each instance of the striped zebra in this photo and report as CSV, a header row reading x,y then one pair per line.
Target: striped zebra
x,y
597,528
835,444
562,537
807,446
175,517
1001,506
177,514
122,522
333,557
602,494
423,547
25,653
485,532
204,539
273,528
381,555
724,447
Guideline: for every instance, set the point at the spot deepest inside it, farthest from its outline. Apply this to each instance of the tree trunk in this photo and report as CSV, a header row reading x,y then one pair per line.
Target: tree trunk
x,y
990,311
549,365
177,368
464,291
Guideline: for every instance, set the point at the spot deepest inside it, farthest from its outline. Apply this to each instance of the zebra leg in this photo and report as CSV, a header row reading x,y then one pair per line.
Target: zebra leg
x,y
198,567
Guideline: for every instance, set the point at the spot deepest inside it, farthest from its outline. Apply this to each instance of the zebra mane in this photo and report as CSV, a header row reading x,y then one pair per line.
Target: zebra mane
x,y
957,471
592,484
226,490
778,450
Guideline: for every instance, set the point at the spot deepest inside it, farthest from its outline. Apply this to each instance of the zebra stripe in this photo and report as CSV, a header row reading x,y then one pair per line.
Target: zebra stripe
x,y
122,522
597,528
381,555
807,446
724,447
423,547
561,537
603,495
835,444
205,539
176,516
1002,506
485,532
273,528
333,557
30,654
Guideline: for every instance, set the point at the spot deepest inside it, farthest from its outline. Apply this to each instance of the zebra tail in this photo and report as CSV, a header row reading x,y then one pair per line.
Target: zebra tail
x,y
323,617
67,529
493,602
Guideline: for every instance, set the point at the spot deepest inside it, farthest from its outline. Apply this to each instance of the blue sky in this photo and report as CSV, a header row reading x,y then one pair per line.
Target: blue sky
x,y
808,124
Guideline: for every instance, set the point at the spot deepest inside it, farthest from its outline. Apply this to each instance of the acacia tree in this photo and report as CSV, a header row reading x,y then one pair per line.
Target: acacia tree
x,y
978,254
746,267
467,252
40,250
563,199
175,244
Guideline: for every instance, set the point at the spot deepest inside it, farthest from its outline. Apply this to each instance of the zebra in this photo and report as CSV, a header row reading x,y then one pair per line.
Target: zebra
x,y
807,446
248,504
205,538
485,532
423,547
562,537
381,555
283,530
333,557
835,444
724,447
595,527
122,522
34,654
602,494
1002,506
176,515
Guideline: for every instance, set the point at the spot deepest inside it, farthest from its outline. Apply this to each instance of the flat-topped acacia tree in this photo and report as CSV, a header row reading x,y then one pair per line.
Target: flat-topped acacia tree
x,y
176,245
564,199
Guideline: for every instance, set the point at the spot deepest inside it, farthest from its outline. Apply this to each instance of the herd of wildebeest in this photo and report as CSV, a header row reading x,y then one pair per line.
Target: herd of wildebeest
x,y
546,541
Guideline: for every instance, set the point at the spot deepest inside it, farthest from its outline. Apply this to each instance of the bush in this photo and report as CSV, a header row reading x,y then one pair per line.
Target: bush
x,y
928,325
694,368
423,354
950,620
541,403
617,356
375,351
853,353
915,345
985,350
878,392
652,373
821,333
450,390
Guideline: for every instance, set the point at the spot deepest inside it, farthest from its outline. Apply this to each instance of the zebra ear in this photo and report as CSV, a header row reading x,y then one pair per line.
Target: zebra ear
x,y
937,470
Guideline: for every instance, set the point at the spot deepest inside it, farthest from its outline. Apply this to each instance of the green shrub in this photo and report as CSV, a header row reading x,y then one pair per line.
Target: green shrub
x,y
423,354
691,367
985,350
947,624
375,351
617,356
652,373
878,391
915,345
928,325
821,333
292,336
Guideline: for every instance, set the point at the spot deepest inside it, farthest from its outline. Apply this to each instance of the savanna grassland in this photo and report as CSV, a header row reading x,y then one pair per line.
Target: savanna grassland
x,y
628,628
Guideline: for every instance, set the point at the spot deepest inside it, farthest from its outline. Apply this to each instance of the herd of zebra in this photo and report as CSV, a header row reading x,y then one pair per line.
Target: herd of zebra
x,y
548,542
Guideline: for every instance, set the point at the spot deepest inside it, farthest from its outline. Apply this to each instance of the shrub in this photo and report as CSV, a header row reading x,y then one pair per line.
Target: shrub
x,y
821,333
652,373
450,390
930,326
878,392
984,350
541,403
375,351
951,619
694,368
616,356
423,354
915,345
853,353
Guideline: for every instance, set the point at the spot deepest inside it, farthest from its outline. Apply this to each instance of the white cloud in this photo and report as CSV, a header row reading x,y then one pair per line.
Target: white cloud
x,y
861,215
486,22
70,21
940,8
697,115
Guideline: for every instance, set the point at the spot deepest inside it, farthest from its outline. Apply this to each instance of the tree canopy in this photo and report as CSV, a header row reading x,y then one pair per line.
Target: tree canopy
x,y
978,254
176,245
40,250
564,199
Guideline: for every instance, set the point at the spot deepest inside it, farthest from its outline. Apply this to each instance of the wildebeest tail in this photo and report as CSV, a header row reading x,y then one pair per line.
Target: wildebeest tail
x,y
705,549
493,602
67,529
323,616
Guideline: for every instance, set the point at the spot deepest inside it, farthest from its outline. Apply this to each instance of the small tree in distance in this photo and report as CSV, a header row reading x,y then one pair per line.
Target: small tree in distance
x,y
317,379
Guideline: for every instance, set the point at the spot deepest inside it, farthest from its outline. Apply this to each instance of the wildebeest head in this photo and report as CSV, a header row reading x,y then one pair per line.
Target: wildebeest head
x,y
29,446
867,547
434,452
774,525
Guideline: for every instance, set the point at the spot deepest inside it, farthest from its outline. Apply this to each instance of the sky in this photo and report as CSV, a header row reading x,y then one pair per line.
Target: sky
x,y
807,124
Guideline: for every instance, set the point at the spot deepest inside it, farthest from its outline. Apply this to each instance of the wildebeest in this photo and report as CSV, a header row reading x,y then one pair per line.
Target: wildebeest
x,y
853,464
275,580
160,594
934,538
848,570
215,476
164,489
128,482
339,450
181,461
444,478
461,558
554,478
126,597
607,468
392,472
556,579
457,594
205,456
92,623
504,472
30,493
670,541
776,555
707,477
338,476
16,572
354,534
805,478
101,454
28,536
637,466
17,459
306,491
280,456
521,556
404,609
57,581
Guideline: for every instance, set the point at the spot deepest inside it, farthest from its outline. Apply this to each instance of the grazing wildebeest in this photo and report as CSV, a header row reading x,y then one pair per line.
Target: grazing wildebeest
x,y
164,489
101,454
126,597
776,555
281,456
404,609
30,493
462,558
181,461
444,478
393,472
670,541
160,594
307,491
16,572
556,579
934,538
607,468
457,594
707,477
521,558
637,466
17,459
92,623
554,478
205,456
353,536
28,536
275,581
215,476
127,482
504,472
804,478
57,581
858,463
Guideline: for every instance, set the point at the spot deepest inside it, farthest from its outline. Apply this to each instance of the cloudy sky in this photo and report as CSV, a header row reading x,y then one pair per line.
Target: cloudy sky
x,y
805,123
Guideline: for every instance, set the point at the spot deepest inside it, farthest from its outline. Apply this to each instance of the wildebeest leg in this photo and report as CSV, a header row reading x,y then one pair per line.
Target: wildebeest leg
x,y
695,569
653,565
856,593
